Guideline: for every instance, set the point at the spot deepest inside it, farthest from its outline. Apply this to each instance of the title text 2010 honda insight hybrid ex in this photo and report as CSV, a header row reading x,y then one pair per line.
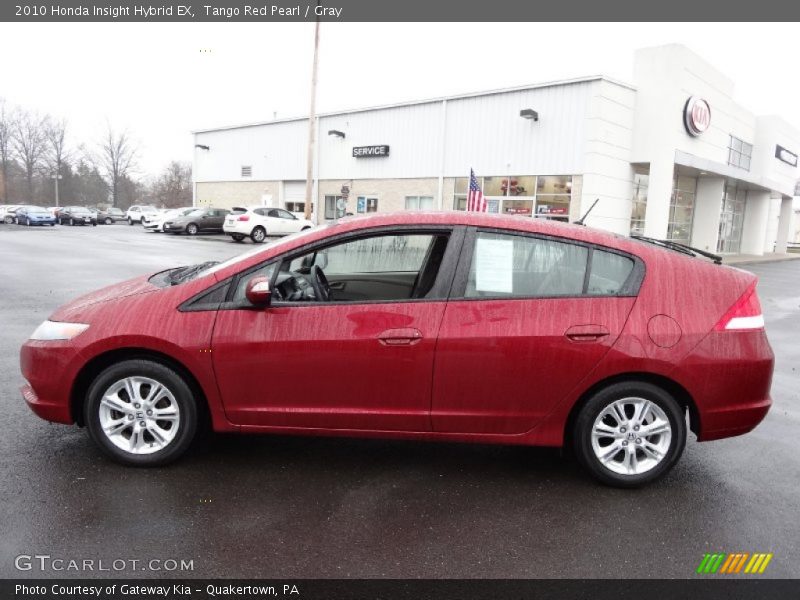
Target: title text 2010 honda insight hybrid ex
x,y
433,326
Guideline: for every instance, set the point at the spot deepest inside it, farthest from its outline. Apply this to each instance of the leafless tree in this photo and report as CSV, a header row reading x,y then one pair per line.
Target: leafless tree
x,y
117,158
173,188
29,144
7,117
56,135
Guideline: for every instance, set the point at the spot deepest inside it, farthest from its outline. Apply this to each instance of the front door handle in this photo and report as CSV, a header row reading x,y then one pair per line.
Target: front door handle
x,y
400,337
586,333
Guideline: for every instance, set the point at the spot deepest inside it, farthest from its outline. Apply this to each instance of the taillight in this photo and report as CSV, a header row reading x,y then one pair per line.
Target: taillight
x,y
744,314
244,218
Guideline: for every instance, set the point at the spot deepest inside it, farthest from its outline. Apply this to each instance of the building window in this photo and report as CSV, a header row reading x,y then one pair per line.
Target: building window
x,y
739,153
545,196
681,209
641,181
330,206
367,204
419,202
297,207
247,171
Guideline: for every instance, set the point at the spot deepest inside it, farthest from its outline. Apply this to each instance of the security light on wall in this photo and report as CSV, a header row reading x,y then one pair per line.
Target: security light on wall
x,y
529,113
337,133
202,147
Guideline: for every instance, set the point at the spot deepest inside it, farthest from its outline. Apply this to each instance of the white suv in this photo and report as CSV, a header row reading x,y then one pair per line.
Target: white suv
x,y
258,222
137,211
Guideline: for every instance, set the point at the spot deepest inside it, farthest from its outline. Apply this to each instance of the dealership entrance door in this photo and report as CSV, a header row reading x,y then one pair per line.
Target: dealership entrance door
x,y
730,219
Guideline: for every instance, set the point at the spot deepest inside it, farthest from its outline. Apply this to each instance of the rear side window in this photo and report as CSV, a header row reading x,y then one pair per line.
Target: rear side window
x,y
609,273
519,266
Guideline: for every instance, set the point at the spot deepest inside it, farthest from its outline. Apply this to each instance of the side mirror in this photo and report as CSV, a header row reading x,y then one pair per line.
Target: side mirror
x,y
257,292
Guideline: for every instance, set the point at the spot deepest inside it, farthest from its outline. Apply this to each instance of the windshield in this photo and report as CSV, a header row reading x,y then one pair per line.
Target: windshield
x,y
36,210
262,248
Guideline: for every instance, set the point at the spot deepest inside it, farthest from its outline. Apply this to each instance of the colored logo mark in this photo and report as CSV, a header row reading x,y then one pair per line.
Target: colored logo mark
x,y
738,562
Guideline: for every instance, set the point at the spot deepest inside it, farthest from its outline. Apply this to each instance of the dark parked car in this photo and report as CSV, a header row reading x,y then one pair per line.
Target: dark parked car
x,y
110,216
203,219
76,215
34,215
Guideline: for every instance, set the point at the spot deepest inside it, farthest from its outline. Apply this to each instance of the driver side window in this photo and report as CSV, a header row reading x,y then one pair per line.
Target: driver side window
x,y
386,267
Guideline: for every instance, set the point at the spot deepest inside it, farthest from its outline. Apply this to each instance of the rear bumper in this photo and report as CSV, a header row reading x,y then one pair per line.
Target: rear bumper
x,y
729,375
242,228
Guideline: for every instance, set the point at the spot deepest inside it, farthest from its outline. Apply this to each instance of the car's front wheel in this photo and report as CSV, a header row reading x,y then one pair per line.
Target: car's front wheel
x,y
630,434
108,221
191,229
9,220
258,235
141,413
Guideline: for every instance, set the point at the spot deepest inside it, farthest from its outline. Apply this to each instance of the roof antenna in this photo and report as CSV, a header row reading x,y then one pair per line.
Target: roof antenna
x,y
586,214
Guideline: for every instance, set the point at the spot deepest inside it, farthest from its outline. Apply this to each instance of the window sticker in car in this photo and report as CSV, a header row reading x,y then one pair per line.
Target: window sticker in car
x,y
494,266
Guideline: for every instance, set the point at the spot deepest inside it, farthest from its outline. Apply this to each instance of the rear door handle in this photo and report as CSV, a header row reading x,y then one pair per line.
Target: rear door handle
x,y
586,333
400,337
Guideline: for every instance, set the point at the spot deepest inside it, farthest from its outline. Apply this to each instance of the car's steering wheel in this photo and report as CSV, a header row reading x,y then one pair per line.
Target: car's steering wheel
x,y
322,289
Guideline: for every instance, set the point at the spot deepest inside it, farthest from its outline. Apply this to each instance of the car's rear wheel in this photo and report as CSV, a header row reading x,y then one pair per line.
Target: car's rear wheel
x,y
141,413
237,237
258,235
630,434
9,220
191,229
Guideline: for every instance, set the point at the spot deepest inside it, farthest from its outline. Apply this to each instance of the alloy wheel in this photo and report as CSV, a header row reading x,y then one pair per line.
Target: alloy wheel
x,y
139,415
631,436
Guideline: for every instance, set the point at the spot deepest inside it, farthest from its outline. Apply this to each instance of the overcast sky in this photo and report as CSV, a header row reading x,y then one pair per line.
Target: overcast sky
x,y
153,79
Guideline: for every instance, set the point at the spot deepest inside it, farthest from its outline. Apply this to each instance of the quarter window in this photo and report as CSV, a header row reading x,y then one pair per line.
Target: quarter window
x,y
609,273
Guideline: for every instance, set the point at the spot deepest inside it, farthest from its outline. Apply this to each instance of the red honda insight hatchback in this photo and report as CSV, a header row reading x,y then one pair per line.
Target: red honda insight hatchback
x,y
434,326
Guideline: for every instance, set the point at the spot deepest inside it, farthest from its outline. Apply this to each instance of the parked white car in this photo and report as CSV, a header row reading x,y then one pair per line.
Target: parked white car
x,y
7,213
156,222
257,222
137,211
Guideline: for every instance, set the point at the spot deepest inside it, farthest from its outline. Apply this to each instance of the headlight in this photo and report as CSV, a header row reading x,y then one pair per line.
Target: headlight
x,y
55,330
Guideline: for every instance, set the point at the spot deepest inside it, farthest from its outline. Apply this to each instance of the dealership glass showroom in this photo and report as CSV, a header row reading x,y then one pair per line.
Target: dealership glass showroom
x,y
671,155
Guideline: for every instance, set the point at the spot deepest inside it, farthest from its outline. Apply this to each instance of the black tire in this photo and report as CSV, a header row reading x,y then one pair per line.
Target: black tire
x,y
9,220
52,224
94,223
306,227
187,406
130,221
108,221
238,237
258,235
192,229
584,423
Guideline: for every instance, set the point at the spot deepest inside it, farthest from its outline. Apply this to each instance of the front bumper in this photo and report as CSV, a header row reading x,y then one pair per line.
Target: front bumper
x,y
49,368
173,227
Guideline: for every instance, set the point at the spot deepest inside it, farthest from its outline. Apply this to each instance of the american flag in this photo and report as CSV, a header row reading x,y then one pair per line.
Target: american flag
x,y
475,199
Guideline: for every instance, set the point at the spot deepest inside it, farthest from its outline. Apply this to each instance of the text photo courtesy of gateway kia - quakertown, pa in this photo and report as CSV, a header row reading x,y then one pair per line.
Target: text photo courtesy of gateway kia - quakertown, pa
x,y
363,301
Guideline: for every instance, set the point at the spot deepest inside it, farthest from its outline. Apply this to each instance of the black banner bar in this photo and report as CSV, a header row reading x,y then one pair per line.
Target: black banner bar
x,y
396,10
717,588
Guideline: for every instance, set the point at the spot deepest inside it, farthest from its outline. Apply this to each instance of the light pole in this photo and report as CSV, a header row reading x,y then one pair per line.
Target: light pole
x,y
55,177
312,114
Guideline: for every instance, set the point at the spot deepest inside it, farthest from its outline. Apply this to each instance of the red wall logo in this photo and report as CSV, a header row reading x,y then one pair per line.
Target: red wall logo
x,y
696,116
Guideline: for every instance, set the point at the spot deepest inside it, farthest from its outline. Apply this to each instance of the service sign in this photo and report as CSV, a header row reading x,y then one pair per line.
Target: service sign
x,y
696,116
366,151
784,155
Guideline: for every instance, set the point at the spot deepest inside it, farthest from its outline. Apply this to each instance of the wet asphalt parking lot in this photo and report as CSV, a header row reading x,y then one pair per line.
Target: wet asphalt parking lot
x,y
312,507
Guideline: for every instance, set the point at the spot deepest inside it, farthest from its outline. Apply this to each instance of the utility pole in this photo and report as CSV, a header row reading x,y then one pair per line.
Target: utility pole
x,y
312,119
55,178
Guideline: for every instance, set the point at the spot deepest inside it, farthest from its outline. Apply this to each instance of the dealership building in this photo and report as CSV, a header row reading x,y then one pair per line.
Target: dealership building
x,y
670,155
